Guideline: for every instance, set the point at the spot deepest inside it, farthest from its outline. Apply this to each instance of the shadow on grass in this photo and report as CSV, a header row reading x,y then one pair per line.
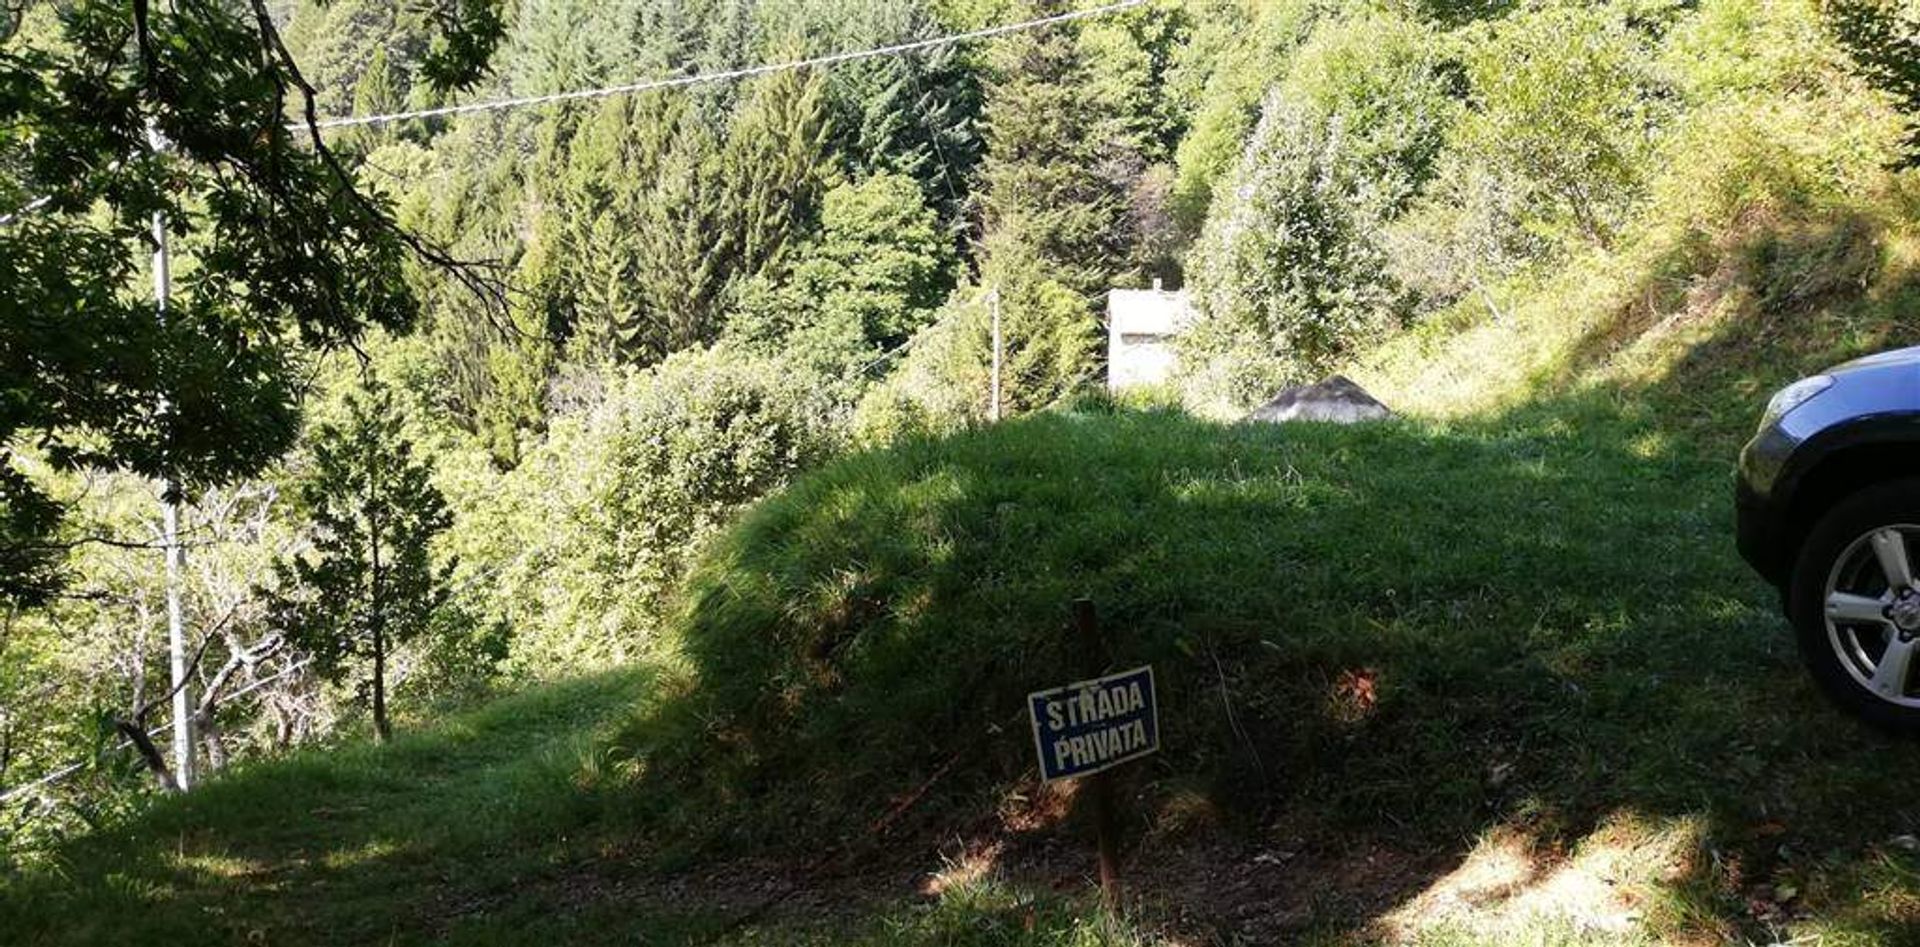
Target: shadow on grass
x,y
1403,636
1407,667
352,844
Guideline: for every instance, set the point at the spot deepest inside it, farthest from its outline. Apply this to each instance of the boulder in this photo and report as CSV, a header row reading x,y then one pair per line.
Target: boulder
x,y
1337,399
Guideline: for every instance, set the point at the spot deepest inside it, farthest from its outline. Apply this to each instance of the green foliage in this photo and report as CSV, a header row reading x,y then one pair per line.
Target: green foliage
x,y
1388,83
1288,273
1129,57
914,115
1050,348
873,276
1566,106
1061,157
664,219
344,46
1883,37
281,246
1221,76
369,585
1564,114
581,547
29,563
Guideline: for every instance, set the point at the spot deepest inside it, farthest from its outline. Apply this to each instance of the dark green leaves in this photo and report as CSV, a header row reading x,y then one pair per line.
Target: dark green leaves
x,y
276,249
1884,40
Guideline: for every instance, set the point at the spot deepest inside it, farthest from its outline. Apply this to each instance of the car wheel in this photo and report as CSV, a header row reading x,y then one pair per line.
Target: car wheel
x,y
1855,602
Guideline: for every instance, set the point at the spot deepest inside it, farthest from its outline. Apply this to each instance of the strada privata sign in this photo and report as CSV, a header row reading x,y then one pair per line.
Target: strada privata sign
x,y
1088,726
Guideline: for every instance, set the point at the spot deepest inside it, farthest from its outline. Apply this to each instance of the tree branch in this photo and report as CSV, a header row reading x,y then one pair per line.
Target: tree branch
x,y
493,293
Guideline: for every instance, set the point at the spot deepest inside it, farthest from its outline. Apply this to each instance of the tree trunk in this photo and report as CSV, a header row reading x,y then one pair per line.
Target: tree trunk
x,y
207,727
380,726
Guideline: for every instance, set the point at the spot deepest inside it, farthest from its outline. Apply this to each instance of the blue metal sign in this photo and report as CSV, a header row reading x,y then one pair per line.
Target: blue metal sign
x,y
1088,726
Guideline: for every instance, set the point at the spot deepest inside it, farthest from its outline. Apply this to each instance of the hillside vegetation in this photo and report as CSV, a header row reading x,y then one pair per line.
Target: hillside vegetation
x,y
715,504
1495,677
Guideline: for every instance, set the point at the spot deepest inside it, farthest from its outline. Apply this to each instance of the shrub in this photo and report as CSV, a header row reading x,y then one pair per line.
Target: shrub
x,y
875,274
1565,106
1286,274
1049,342
1386,80
1565,112
584,543
1222,75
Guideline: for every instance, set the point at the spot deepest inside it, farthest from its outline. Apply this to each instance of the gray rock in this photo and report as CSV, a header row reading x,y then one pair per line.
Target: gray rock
x,y
1337,399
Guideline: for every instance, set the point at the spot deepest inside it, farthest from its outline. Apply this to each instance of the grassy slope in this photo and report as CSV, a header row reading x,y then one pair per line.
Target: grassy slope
x,y
1488,673
509,824
1510,624
356,844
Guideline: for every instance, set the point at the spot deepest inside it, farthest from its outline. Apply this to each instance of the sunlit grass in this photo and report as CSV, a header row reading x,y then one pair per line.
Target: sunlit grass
x,y
1509,628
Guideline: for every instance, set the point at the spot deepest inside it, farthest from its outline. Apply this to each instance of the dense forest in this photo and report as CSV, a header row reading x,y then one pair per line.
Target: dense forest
x,y
645,312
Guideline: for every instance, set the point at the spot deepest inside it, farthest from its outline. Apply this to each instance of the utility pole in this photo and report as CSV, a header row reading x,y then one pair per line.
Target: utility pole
x,y
170,521
993,300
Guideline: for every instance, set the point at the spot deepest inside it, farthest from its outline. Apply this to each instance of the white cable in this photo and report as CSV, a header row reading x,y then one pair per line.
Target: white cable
x,y
25,209
71,768
897,49
497,104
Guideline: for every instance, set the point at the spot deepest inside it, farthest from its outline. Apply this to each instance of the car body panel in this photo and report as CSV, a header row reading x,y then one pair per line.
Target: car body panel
x,y
1873,400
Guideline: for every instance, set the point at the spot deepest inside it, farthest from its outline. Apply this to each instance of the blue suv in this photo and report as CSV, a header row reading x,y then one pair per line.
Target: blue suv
x,y
1829,512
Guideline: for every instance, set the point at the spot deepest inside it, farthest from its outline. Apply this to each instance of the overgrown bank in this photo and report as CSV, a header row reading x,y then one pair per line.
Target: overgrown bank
x,y
1487,673
1515,642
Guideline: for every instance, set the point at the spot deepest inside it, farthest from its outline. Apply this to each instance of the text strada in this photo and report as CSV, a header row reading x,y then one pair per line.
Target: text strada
x,y
1089,726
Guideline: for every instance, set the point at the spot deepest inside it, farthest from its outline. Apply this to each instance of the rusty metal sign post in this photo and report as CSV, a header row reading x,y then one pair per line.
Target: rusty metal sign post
x,y
1084,729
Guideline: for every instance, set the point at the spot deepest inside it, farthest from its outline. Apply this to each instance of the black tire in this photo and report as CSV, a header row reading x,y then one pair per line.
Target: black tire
x,y
1873,508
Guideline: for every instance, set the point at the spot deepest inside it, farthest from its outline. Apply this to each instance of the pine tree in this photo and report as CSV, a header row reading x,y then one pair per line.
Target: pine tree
x,y
1060,160
369,584
666,216
376,93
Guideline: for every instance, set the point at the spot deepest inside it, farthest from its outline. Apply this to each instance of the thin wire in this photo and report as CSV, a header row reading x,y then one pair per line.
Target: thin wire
x,y
71,768
353,121
25,209
652,84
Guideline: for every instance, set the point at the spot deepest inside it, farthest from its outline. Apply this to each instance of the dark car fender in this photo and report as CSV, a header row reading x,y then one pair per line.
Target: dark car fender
x,y
1856,447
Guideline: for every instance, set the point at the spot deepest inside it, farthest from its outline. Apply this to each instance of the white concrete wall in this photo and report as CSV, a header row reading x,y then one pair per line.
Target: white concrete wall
x,y
1134,360
1141,327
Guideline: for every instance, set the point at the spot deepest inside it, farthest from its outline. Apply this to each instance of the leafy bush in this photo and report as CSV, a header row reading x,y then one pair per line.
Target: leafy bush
x,y
1883,39
1287,273
1222,75
876,273
1391,86
1049,342
581,547
1565,108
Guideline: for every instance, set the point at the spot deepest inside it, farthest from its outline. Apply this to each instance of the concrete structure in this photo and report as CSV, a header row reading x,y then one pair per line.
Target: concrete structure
x,y
1141,324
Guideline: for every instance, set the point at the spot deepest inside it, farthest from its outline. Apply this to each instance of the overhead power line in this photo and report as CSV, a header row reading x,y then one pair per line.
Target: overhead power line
x,y
897,49
731,74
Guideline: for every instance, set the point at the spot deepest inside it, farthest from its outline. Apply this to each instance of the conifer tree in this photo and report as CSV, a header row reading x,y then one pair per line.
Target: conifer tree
x,y
1060,158
369,584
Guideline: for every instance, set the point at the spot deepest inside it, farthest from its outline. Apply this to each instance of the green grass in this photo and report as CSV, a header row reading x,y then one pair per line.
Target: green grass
x,y
1487,673
1544,602
1550,596
1517,610
504,825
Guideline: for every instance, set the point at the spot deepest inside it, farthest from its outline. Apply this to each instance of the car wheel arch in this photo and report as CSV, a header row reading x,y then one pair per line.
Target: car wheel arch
x,y
1839,473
